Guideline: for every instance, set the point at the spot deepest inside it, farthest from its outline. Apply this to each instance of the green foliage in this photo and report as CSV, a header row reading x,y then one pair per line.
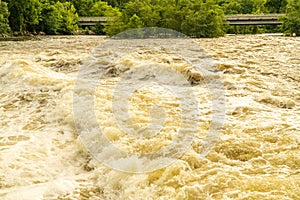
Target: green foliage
x,y
97,9
232,7
50,20
99,29
291,22
113,3
247,6
208,21
237,6
24,14
83,7
192,18
69,18
4,26
142,9
115,25
101,8
86,31
59,18
174,14
275,6
246,29
135,22
198,18
252,6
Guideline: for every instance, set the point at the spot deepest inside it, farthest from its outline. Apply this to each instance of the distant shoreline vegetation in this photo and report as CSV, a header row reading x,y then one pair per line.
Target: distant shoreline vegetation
x,y
195,18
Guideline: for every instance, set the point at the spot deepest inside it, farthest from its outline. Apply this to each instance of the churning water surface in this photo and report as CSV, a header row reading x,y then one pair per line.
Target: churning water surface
x,y
257,155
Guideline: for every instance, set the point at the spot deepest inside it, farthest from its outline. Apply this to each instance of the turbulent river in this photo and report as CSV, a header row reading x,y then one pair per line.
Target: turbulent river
x,y
42,156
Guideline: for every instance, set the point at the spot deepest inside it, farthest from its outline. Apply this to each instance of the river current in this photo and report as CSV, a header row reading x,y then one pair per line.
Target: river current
x,y
257,155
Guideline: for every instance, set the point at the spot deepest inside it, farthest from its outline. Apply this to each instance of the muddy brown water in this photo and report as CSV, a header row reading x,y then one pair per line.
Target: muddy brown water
x,y
256,157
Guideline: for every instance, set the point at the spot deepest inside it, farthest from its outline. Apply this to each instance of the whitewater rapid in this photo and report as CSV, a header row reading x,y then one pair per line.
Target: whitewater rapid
x,y
256,157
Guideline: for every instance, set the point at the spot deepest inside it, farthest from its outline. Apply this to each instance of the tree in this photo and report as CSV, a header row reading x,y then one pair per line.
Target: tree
x,y
175,13
206,21
135,22
113,3
259,7
69,18
24,14
83,7
275,6
101,8
291,22
115,23
190,17
50,19
143,9
232,7
4,26
134,14
59,18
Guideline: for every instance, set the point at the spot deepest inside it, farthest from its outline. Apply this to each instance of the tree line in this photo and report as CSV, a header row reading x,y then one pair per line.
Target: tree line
x,y
198,18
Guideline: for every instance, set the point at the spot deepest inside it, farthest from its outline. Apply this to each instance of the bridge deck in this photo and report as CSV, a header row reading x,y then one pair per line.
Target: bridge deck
x,y
261,19
265,19
91,21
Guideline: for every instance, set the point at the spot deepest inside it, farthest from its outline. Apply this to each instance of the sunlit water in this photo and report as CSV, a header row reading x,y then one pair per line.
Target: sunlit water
x,y
256,157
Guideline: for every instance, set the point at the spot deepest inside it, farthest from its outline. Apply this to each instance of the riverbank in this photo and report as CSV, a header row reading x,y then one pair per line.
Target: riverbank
x,y
39,37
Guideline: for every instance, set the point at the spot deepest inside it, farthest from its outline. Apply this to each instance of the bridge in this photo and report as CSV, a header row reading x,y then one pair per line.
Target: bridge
x,y
262,19
92,21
